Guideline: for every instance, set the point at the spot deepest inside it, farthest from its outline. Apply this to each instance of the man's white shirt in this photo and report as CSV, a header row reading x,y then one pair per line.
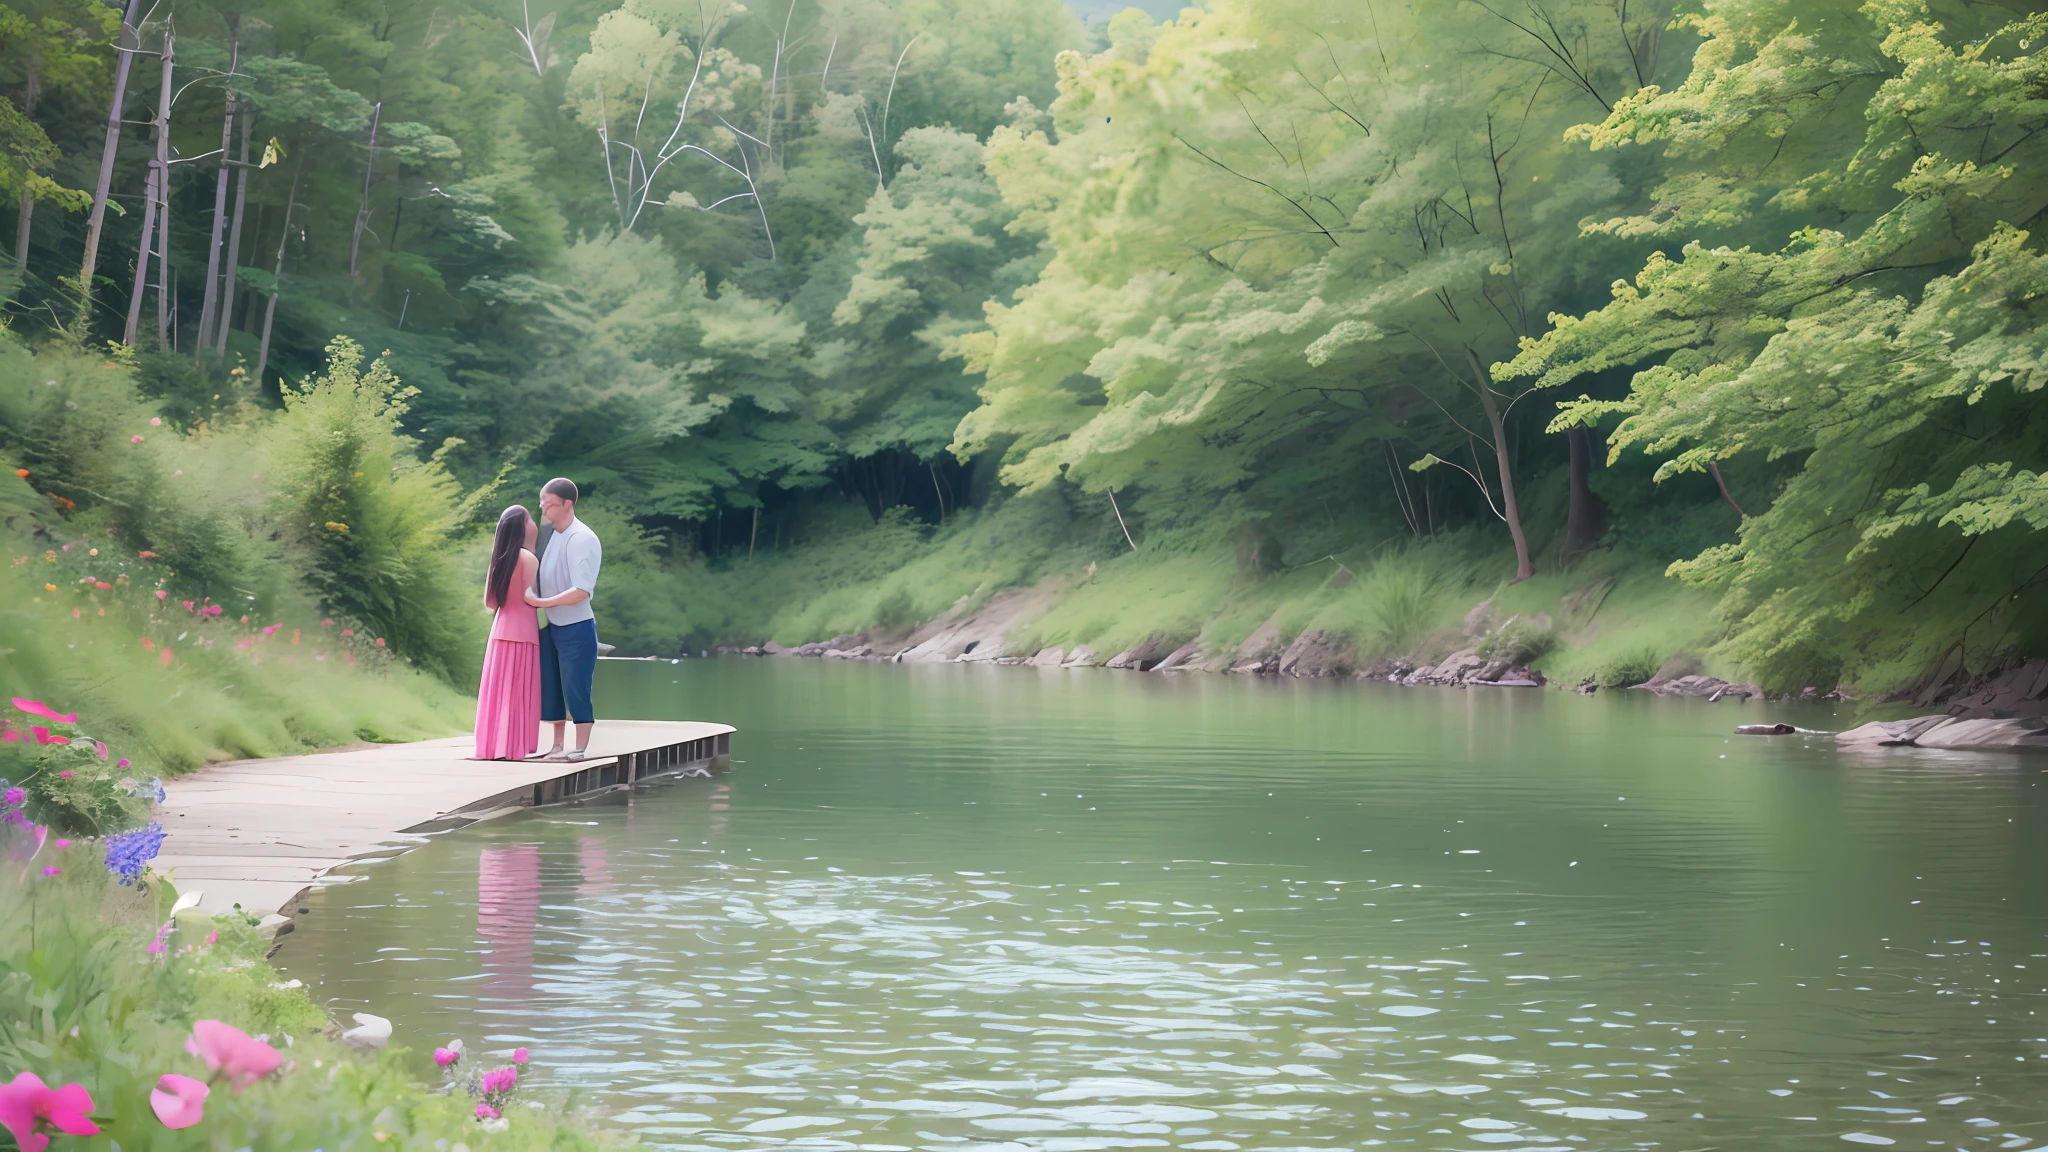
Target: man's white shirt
x,y
571,561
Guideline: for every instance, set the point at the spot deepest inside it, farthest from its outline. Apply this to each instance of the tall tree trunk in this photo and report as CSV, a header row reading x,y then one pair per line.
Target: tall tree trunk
x,y
355,243
1524,566
210,301
270,308
153,229
125,47
163,199
142,258
21,230
1586,520
228,292
28,203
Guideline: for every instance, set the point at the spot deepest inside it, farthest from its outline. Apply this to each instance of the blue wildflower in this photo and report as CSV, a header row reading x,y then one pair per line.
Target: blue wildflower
x,y
130,852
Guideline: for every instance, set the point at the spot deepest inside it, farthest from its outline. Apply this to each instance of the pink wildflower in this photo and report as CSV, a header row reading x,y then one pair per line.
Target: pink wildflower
x,y
43,736
179,1101
213,938
486,1112
38,708
63,843
66,774
519,1055
162,595
52,870
135,439
228,1049
27,1104
446,1056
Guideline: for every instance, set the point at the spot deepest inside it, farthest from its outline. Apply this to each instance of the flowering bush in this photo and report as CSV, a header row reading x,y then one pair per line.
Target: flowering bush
x,y
65,777
491,1090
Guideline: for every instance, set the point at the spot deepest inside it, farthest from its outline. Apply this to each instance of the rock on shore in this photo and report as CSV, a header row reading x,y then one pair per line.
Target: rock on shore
x,y
1465,668
1983,734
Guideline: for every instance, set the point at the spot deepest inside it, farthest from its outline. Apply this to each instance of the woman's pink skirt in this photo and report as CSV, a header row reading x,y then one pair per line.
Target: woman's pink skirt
x,y
508,701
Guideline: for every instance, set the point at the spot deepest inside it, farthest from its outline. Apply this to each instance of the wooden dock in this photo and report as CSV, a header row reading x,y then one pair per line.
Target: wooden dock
x,y
258,833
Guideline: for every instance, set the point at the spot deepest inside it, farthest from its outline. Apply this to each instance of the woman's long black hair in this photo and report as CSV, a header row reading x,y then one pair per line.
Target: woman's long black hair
x,y
505,549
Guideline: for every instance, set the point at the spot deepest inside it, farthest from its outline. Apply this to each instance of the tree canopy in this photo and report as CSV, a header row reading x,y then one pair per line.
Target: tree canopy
x,y
739,267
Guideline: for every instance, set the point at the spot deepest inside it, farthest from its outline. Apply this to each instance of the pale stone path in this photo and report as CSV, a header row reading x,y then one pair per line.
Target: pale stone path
x,y
260,832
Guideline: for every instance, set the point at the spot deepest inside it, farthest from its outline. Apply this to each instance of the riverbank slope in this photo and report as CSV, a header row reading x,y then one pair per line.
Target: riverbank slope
x,y
1018,583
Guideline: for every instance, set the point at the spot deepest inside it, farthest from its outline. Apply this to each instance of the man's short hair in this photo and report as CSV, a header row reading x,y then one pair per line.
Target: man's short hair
x,y
561,488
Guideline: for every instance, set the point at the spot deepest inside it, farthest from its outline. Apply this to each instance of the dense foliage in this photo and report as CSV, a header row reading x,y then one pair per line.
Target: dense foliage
x,y
172,584
1748,285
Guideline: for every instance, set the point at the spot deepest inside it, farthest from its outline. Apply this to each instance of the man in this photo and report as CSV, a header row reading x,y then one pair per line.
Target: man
x,y
568,645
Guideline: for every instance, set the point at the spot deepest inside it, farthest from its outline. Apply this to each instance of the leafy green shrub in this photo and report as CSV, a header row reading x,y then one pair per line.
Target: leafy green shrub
x,y
1630,669
371,520
895,611
1520,640
1404,601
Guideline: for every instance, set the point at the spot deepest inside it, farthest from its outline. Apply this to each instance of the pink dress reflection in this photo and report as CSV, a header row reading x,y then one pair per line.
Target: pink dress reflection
x,y
592,861
507,905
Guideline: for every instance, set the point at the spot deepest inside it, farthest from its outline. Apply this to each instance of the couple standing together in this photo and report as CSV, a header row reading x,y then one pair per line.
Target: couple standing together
x,y
534,675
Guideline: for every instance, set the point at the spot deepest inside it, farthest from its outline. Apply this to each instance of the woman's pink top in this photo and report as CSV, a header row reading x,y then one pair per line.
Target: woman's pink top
x,y
516,622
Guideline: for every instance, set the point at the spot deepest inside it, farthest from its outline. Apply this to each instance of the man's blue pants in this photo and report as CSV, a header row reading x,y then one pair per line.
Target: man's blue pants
x,y
568,663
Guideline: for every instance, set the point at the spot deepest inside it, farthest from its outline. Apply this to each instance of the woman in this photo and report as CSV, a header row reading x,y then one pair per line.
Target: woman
x,y
508,701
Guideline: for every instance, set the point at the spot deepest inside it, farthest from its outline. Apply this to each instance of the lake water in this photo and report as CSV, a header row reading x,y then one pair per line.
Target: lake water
x,y
959,908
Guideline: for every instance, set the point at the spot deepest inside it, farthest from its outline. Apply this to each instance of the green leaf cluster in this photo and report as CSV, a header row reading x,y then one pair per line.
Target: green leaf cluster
x,y
1889,364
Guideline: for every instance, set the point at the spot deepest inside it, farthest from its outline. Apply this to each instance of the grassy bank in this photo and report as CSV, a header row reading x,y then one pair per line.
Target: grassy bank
x,y
1610,613
180,688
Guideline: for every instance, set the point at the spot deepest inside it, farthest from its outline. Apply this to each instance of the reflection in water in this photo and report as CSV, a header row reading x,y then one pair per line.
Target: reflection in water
x,y
720,803
971,910
507,904
590,860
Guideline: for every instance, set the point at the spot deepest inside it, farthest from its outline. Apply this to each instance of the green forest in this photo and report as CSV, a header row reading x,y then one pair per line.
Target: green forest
x,y
1707,330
